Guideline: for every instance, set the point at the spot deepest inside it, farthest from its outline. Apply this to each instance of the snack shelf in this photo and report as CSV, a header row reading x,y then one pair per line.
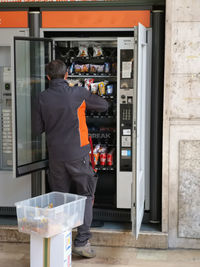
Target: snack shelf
x,y
91,59
108,96
101,133
91,76
104,168
101,116
106,145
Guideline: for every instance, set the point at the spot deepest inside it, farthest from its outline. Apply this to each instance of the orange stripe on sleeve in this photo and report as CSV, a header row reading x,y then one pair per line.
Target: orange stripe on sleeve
x,y
83,130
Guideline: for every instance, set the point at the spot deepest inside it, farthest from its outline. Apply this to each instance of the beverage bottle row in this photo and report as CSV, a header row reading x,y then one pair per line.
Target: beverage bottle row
x,y
103,156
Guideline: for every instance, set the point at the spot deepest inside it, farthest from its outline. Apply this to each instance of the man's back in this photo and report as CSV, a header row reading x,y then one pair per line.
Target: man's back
x,y
62,111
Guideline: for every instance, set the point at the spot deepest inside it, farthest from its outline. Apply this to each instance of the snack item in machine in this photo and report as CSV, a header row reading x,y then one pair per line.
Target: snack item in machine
x,y
103,156
110,157
96,68
96,154
77,68
97,51
114,68
83,50
94,88
107,67
102,88
100,68
71,68
73,82
88,83
93,68
109,89
85,67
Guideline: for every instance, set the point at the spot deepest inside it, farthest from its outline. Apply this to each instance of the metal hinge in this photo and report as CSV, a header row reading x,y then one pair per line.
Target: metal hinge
x,y
134,126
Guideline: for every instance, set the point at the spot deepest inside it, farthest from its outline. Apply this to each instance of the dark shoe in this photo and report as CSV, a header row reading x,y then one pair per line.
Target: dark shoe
x,y
85,251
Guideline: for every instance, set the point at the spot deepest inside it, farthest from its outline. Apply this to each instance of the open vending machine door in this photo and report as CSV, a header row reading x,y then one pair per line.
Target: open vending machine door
x,y
140,124
30,57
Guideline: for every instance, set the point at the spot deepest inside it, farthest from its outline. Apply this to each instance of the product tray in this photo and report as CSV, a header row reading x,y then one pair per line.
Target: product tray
x,y
91,74
100,117
50,214
94,60
105,168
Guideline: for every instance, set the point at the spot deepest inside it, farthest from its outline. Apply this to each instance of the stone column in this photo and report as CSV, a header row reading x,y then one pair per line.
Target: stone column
x,y
181,124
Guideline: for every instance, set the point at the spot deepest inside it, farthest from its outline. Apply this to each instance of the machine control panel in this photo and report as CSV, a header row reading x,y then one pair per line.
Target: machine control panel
x,y
6,118
126,137
126,57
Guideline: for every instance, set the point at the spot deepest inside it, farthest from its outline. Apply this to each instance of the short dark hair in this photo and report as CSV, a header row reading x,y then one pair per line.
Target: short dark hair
x,y
56,69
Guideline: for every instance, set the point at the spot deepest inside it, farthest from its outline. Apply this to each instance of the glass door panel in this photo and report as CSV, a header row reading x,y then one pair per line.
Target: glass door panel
x,y
31,56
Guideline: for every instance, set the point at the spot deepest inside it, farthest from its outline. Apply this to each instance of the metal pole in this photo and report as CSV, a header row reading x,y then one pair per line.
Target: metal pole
x,y
34,28
34,23
156,114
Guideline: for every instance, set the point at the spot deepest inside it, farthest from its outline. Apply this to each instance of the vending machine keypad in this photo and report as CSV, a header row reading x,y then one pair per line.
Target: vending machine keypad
x,y
6,118
126,137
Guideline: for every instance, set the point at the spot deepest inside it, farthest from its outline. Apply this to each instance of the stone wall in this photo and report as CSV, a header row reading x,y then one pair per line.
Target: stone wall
x,y
181,125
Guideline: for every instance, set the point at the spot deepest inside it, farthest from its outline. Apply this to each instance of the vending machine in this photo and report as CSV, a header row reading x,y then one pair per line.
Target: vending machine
x,y
116,65
11,190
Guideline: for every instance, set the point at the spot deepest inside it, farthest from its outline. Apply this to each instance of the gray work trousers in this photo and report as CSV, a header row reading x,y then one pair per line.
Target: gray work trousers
x,y
79,175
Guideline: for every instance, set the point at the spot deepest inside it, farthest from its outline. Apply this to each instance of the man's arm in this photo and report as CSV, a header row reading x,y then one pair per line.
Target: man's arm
x,y
36,119
95,102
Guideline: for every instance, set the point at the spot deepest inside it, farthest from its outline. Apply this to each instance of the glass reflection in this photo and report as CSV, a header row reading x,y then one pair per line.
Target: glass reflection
x,y
31,57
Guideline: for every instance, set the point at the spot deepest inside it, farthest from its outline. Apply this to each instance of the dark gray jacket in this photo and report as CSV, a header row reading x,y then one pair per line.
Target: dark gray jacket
x,y
60,113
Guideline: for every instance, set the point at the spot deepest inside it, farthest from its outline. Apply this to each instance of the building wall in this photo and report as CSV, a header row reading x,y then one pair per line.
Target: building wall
x,y
181,127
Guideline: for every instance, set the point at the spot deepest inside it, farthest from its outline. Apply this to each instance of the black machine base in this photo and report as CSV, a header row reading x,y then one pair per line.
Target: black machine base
x,y
115,215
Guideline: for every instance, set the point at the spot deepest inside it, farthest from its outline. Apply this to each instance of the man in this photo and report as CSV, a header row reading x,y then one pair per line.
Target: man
x,y
60,113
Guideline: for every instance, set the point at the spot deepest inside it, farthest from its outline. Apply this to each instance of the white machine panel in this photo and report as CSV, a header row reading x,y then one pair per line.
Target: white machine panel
x,y
124,121
10,190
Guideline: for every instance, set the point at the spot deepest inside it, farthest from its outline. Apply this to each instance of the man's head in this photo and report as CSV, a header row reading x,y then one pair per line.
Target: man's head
x,y
56,69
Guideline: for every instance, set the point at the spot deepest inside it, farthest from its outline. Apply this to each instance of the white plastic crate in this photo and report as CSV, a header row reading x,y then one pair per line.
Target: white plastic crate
x,y
50,214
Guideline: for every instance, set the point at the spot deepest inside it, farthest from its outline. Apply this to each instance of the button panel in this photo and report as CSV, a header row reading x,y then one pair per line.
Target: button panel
x,y
6,118
126,137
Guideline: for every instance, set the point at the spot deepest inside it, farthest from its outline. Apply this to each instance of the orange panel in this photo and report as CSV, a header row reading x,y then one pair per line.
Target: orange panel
x,y
95,19
83,130
13,19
